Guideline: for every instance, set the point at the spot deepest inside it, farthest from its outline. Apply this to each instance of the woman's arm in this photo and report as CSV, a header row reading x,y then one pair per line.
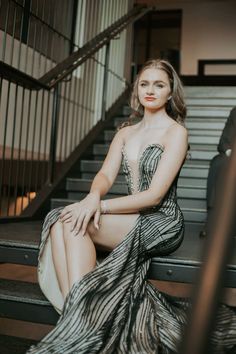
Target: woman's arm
x,y
168,167
82,211
106,176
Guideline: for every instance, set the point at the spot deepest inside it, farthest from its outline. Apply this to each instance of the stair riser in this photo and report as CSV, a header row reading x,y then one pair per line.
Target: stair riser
x,y
100,151
217,92
186,181
198,122
94,166
226,103
194,216
193,139
28,312
197,204
189,216
18,255
74,185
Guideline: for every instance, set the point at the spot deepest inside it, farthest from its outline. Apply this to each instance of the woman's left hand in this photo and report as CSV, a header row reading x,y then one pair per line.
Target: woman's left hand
x,y
80,213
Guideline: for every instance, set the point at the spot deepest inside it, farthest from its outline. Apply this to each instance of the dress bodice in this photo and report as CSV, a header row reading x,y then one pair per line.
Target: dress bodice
x,y
139,173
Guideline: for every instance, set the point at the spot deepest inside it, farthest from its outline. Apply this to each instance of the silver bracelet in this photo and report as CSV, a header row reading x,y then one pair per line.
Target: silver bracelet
x,y
104,207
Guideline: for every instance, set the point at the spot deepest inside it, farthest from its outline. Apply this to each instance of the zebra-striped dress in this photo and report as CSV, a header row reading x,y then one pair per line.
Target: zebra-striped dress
x,y
114,309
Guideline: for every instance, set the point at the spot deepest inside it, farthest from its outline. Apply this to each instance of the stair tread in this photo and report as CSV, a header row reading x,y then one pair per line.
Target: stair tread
x,y
16,345
23,233
21,291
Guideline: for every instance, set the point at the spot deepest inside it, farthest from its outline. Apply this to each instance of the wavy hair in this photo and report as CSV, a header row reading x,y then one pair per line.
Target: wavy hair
x,y
175,106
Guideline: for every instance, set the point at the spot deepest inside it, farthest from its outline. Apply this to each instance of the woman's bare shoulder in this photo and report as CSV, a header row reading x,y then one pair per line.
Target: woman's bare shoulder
x,y
125,131
177,128
176,132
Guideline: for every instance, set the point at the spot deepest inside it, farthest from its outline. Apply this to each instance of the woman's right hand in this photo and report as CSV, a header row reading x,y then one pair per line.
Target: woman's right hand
x,y
80,213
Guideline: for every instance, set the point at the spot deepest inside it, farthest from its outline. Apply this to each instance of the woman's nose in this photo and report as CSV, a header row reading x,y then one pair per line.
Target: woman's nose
x,y
150,90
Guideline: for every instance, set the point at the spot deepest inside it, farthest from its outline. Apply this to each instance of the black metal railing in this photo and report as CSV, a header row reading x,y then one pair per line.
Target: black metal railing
x,y
202,64
44,118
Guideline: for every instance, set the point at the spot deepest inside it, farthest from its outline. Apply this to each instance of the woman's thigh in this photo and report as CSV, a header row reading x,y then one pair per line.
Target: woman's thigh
x,y
113,229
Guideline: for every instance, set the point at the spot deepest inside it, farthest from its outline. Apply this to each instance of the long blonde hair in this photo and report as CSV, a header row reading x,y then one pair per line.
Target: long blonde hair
x,y
175,106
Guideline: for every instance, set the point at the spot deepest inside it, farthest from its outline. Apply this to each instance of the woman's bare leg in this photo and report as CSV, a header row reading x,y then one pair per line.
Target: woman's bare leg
x,y
80,254
75,256
113,229
59,257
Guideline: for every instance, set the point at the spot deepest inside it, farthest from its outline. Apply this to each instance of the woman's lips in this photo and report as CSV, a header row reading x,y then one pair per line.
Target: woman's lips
x,y
149,98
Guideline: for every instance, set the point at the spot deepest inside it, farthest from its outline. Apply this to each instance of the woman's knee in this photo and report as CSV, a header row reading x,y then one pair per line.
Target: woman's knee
x,y
56,229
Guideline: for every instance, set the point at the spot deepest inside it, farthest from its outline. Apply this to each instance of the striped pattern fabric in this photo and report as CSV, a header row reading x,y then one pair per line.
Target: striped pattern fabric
x,y
115,309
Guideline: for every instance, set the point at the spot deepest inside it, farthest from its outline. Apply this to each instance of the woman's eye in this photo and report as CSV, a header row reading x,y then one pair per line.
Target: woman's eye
x,y
159,85
143,84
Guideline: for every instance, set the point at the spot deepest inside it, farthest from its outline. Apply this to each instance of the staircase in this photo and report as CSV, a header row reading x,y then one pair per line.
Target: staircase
x,y
208,109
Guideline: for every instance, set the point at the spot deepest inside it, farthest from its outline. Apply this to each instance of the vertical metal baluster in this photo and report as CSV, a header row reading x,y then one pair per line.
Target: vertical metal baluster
x,y
78,72
46,39
87,95
38,161
34,48
33,115
85,82
61,130
5,32
5,129
44,171
20,41
73,75
47,137
32,157
55,115
76,113
17,179
68,118
51,13
94,70
84,107
8,185
25,159
13,37
12,148
105,78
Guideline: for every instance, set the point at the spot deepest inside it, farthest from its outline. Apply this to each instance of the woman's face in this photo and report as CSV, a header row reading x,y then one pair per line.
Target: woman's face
x,y
153,89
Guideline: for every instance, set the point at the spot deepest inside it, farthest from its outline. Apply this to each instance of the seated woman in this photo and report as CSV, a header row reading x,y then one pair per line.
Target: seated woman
x,y
217,167
112,307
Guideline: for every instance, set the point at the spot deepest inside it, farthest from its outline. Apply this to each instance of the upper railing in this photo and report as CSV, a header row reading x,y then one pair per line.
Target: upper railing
x,y
45,117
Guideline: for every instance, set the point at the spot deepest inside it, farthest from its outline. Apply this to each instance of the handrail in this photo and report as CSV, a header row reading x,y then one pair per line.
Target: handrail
x,y
63,69
16,76
203,62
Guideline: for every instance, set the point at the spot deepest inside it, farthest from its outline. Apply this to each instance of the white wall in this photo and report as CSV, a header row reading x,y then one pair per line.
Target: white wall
x,y
208,32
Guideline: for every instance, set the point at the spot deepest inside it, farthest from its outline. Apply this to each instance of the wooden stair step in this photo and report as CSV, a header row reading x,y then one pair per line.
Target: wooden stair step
x,y
14,345
19,242
25,301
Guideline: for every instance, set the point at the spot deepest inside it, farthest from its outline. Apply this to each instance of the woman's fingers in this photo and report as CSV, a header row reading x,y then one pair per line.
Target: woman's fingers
x,y
65,212
78,224
85,224
66,218
96,218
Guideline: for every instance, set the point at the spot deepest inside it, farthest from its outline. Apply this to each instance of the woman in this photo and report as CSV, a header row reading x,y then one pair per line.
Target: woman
x,y
112,308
